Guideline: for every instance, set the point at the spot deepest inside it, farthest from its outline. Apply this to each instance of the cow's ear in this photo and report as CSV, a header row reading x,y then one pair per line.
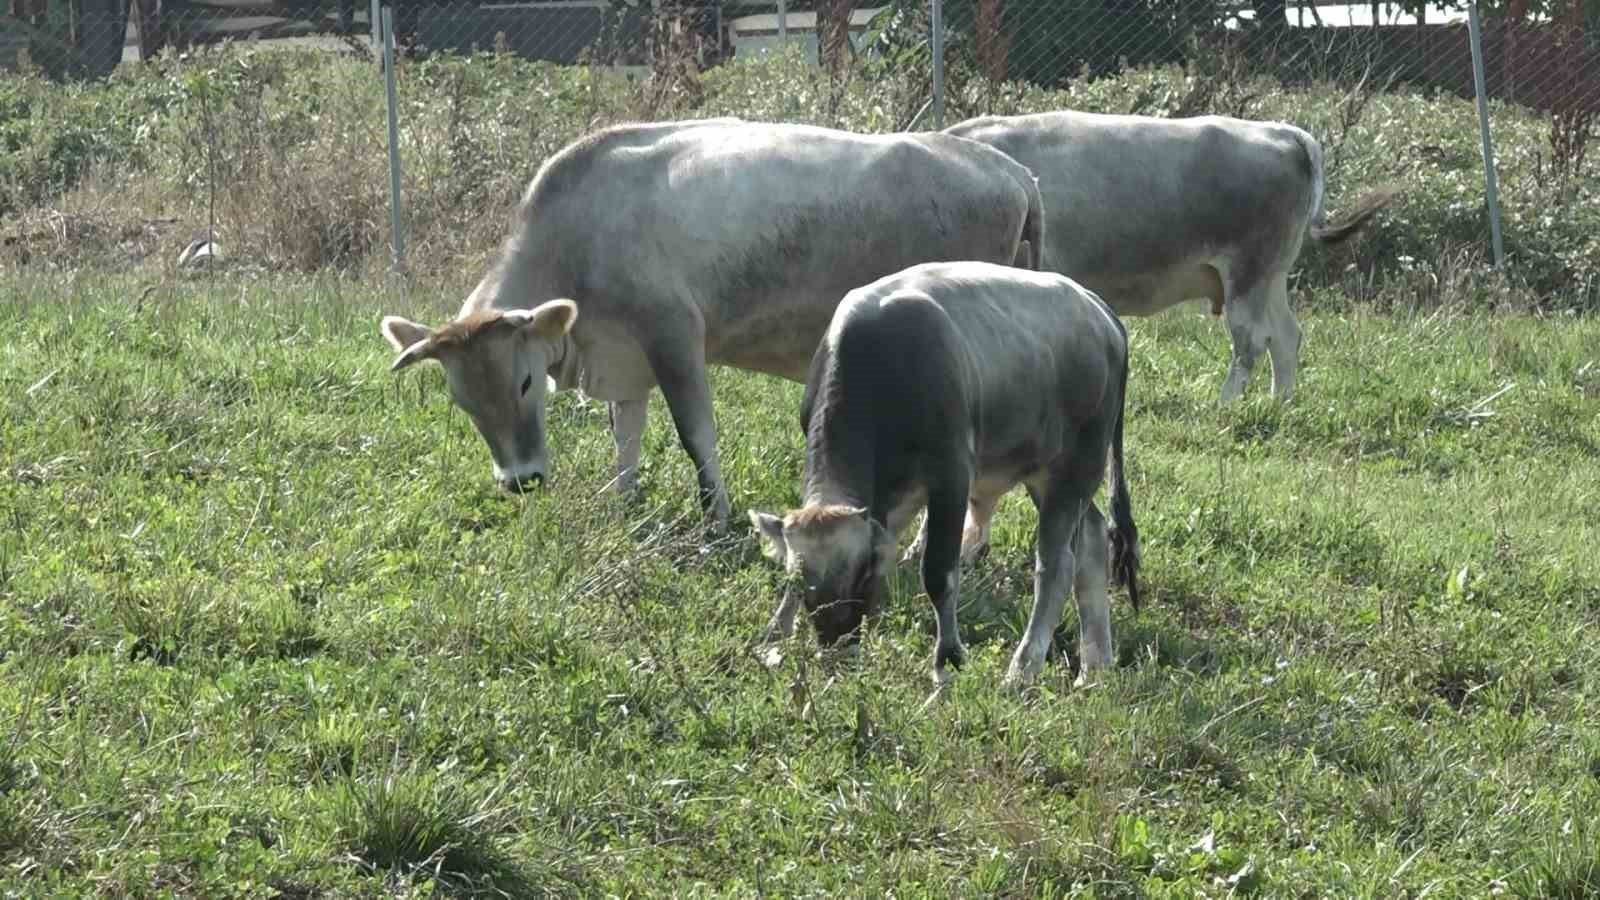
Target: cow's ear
x,y
403,333
769,531
551,319
415,342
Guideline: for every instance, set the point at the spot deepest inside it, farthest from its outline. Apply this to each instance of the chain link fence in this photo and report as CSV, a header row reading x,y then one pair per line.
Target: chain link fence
x,y
881,65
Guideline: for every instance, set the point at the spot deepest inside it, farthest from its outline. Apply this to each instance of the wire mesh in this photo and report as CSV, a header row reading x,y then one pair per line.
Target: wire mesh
x,y
1541,59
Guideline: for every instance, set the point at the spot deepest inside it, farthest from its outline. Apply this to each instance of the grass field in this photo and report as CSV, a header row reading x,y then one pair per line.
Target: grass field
x,y
268,629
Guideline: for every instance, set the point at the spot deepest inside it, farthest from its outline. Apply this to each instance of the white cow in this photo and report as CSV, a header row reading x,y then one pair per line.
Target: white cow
x,y
642,253
1148,212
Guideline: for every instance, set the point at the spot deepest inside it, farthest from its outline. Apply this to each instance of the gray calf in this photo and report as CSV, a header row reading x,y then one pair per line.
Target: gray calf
x,y
942,383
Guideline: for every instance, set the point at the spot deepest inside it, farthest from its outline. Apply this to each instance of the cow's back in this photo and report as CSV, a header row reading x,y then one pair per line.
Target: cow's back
x,y
758,229
1132,200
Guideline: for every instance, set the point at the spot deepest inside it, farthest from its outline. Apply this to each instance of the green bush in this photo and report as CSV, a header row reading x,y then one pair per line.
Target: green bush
x,y
293,142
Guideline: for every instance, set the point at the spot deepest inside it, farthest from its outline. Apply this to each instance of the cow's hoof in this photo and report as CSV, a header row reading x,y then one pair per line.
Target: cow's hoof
x,y
952,657
1090,676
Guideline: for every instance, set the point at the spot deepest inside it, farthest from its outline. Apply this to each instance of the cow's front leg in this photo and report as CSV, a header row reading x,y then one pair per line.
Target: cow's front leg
x,y
627,429
681,371
975,533
941,576
919,543
1060,513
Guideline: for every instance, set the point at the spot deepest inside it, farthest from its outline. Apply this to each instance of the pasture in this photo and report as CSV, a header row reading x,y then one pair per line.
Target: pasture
x,y
267,627
270,627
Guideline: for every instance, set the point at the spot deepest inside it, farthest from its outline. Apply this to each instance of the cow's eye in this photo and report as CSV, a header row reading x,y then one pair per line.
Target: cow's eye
x,y
526,383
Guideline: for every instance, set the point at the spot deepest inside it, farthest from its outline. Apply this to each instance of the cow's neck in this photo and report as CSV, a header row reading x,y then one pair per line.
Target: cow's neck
x,y
840,462
564,360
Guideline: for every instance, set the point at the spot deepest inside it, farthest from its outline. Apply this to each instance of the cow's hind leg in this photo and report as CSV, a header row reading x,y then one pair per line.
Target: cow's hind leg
x,y
1283,338
1061,506
627,429
680,369
1089,581
1245,313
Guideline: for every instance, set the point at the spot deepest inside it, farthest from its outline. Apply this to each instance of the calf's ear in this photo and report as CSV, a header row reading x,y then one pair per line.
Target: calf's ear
x,y
769,530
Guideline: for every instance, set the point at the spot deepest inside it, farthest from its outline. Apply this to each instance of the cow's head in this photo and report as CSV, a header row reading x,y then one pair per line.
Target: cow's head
x,y
497,364
838,555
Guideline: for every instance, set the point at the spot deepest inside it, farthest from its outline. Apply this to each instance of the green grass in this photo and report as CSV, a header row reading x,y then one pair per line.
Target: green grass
x,y
267,628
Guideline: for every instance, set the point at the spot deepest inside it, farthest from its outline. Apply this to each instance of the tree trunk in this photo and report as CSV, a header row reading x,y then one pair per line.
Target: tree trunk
x,y
993,46
833,34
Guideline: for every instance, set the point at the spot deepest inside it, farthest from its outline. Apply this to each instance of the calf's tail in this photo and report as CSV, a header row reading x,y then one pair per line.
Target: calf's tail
x,y
1122,533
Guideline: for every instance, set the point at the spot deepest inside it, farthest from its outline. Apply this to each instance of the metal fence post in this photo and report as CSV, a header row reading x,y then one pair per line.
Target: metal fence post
x,y
1475,35
398,234
783,25
937,41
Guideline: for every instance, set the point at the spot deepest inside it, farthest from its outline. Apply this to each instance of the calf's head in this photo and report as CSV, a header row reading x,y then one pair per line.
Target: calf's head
x,y
838,555
497,365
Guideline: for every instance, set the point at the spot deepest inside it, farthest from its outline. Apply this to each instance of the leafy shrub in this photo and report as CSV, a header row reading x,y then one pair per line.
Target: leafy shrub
x,y
286,148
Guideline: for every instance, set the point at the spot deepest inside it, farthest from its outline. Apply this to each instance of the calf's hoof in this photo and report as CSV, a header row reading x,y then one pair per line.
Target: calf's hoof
x,y
1017,678
946,663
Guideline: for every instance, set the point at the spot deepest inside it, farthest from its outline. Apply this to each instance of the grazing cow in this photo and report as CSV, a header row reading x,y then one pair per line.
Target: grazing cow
x,y
641,253
948,381
1148,212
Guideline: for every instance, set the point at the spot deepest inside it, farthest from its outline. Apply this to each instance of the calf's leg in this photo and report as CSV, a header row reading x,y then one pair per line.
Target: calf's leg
x,y
941,575
781,627
1089,581
1060,514
974,533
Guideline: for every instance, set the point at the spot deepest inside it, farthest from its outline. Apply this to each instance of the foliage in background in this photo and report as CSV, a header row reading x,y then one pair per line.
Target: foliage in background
x,y
121,173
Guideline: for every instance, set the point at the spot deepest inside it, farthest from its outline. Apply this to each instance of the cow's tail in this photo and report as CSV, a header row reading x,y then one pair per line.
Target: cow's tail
x,y
1033,225
1354,219
1122,534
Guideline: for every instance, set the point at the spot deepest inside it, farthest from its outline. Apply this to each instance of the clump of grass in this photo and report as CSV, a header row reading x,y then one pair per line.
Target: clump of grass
x,y
1567,867
418,823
